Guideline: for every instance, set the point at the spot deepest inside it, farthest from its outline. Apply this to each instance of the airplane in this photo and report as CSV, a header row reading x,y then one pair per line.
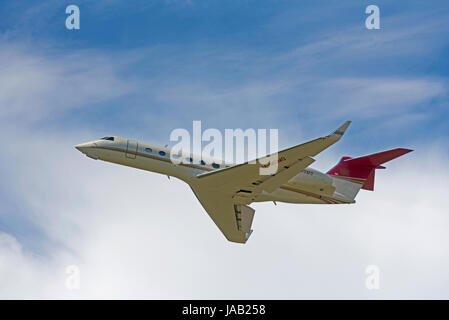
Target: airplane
x,y
226,190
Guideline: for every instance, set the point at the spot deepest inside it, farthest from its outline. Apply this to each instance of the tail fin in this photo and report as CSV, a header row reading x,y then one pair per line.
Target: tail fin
x,y
361,170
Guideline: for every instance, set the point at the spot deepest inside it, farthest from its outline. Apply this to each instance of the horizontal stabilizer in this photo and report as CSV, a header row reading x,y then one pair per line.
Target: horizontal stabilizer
x,y
377,159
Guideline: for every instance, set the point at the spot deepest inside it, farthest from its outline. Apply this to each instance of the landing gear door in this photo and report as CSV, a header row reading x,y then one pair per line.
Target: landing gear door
x,y
131,149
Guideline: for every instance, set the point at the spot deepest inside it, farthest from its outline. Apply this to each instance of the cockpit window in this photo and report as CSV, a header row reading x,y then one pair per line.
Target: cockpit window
x,y
108,138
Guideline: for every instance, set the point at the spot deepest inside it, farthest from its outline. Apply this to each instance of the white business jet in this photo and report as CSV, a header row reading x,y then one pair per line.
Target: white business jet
x,y
226,190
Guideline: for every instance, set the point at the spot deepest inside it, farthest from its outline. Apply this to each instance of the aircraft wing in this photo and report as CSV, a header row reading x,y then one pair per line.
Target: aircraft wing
x,y
226,193
228,217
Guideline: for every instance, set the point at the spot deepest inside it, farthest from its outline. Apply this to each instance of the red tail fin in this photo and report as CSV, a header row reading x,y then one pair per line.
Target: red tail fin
x,y
361,170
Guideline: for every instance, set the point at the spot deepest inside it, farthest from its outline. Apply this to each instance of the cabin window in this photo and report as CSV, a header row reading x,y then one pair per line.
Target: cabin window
x,y
162,153
216,166
108,138
149,150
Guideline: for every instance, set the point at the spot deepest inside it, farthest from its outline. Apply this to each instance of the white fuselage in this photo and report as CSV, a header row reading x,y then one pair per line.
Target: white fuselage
x,y
309,186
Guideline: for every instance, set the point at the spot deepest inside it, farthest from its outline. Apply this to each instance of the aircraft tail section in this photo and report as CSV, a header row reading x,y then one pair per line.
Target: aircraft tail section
x,y
362,170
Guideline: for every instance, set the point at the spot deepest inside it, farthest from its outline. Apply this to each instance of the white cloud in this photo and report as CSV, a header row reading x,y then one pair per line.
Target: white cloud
x,y
374,97
131,240
247,100
35,86
138,235
398,37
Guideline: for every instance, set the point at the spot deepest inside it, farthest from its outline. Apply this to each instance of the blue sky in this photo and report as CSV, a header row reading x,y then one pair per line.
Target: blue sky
x,y
143,69
304,57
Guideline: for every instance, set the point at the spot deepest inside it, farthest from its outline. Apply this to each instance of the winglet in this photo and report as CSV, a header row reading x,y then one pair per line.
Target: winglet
x,y
341,130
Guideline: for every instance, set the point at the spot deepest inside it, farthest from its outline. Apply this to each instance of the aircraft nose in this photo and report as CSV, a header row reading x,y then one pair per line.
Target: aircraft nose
x,y
83,147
